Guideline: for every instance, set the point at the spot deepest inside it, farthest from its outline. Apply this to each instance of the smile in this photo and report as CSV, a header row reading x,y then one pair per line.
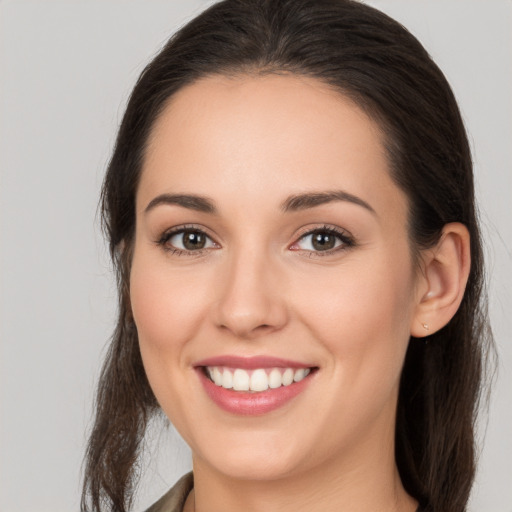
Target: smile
x,y
251,386
257,380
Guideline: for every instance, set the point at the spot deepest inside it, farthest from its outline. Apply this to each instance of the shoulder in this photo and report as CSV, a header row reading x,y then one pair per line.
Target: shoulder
x,y
173,500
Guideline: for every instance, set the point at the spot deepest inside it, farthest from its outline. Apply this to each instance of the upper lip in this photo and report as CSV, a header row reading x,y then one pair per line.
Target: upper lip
x,y
251,363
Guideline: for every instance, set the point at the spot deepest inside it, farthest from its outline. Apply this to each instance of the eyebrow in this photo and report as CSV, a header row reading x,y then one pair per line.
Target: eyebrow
x,y
293,203
311,199
192,202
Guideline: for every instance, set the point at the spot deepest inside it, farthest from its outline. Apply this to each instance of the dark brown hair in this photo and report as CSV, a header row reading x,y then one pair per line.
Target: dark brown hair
x,y
371,58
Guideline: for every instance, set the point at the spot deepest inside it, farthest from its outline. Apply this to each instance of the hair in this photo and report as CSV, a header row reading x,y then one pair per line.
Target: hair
x,y
376,62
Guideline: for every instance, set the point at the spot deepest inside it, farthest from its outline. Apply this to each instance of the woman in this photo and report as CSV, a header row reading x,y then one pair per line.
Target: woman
x,y
290,209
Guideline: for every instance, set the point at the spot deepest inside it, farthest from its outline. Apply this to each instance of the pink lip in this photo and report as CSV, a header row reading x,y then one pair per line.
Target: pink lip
x,y
245,403
251,363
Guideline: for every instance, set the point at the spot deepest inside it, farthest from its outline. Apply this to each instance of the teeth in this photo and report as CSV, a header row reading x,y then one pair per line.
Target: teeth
x,y
227,379
274,379
287,377
255,380
240,380
299,375
217,377
259,381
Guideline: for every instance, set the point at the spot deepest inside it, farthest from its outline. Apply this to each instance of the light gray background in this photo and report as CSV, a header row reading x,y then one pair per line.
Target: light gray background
x,y
66,68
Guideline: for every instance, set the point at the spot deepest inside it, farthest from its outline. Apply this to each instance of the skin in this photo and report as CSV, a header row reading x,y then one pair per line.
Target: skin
x,y
248,143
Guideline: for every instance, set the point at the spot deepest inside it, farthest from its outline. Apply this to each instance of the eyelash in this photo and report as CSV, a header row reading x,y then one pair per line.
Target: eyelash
x,y
167,235
347,241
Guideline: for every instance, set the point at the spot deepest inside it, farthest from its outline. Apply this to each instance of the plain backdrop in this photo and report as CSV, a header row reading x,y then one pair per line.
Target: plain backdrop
x,y
66,69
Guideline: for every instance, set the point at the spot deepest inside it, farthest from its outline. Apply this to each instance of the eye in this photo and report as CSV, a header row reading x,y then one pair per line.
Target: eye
x,y
325,240
185,240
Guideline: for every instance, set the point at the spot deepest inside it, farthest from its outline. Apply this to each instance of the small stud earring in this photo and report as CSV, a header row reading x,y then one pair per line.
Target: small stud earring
x,y
425,326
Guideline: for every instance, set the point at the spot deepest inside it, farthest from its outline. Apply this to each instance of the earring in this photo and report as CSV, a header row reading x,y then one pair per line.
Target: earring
x,y
426,327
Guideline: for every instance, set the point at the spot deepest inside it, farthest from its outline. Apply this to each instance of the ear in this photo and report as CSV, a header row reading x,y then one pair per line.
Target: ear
x,y
445,271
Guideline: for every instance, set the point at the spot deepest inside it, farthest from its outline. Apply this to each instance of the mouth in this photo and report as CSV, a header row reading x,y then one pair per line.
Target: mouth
x,y
254,385
256,380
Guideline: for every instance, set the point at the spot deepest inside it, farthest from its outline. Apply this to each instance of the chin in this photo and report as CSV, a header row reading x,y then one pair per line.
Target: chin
x,y
255,469
254,460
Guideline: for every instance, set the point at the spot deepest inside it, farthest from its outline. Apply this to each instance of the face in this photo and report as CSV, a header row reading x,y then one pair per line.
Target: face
x,y
271,256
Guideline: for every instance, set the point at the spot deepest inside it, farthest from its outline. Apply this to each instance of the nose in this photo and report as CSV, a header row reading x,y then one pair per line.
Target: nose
x,y
251,299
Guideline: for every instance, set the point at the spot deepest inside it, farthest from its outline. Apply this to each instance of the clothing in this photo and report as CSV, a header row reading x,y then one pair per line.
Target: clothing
x,y
174,500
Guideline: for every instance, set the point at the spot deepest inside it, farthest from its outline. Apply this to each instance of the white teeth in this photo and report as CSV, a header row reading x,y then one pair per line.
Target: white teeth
x,y
287,377
255,380
274,379
217,376
299,374
240,380
227,379
259,380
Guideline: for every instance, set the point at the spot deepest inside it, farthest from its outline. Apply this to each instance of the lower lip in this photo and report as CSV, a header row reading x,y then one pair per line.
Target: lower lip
x,y
251,404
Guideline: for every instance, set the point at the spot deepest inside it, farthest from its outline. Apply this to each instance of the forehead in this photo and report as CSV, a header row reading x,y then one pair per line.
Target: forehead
x,y
281,134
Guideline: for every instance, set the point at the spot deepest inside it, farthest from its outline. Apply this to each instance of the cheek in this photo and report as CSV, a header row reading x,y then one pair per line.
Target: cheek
x,y
167,308
166,304
362,314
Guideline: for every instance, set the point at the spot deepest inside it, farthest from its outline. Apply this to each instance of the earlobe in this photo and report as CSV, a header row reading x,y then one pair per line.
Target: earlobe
x,y
445,274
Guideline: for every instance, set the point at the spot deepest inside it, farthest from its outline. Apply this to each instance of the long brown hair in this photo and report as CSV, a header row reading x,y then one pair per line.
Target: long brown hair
x,y
374,60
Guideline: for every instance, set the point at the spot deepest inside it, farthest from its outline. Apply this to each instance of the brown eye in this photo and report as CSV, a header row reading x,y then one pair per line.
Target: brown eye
x,y
187,240
322,241
193,240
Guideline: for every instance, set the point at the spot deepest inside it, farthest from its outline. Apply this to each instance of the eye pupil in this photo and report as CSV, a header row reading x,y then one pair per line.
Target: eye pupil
x,y
193,240
323,241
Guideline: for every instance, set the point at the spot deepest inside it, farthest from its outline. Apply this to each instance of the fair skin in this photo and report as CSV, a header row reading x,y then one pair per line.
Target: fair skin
x,y
255,284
